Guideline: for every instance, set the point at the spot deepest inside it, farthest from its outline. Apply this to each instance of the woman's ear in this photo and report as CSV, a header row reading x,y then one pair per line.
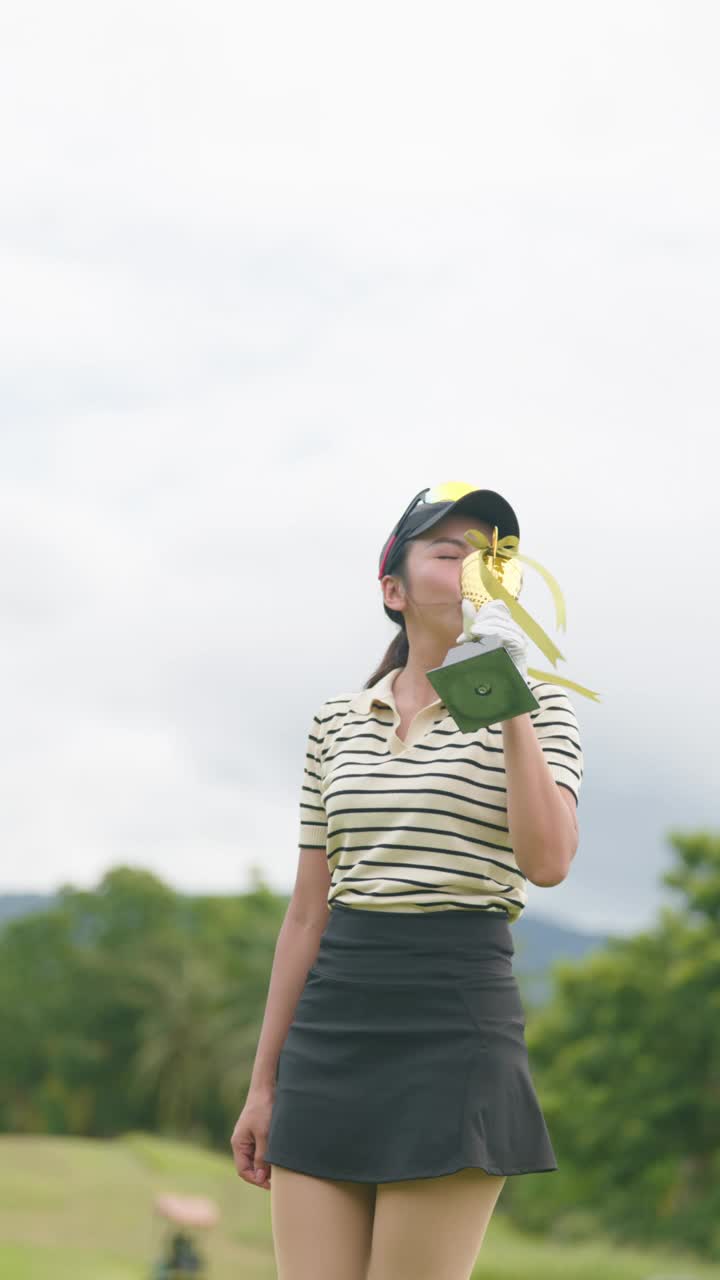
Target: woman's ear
x,y
394,593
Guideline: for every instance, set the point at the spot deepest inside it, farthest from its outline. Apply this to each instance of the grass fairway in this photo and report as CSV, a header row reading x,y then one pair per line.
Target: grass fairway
x,y
81,1209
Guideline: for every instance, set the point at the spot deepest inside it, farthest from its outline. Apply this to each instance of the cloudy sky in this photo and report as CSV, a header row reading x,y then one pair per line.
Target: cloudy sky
x,y
266,272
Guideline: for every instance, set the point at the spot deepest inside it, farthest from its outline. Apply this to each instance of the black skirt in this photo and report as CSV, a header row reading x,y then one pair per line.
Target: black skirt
x,y
406,1056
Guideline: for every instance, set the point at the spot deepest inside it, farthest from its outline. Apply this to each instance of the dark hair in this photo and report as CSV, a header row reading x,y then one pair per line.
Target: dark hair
x,y
398,651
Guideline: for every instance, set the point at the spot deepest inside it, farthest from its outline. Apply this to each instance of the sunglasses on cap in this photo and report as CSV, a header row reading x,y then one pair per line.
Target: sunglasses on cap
x,y
448,493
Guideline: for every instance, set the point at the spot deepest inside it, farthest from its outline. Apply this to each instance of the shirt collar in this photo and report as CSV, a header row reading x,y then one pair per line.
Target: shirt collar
x,y
381,692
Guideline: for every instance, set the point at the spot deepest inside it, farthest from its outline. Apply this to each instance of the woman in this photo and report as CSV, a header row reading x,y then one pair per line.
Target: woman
x,y
391,1092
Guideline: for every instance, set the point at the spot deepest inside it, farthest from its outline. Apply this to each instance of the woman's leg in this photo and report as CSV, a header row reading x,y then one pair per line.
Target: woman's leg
x,y
321,1229
432,1228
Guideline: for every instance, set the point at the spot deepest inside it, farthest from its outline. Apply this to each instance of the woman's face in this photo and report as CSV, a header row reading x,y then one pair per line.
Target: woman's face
x,y
434,564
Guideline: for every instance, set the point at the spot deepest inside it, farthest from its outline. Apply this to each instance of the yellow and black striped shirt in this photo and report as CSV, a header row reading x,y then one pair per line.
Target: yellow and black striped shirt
x,y
421,825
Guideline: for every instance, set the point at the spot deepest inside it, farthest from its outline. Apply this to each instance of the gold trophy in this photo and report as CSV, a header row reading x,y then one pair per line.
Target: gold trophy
x,y
478,680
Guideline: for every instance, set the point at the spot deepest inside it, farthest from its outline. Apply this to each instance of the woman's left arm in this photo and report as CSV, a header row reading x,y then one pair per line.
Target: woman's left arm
x,y
542,818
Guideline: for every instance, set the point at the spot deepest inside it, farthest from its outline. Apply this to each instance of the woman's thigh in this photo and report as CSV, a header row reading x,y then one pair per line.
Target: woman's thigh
x,y
321,1228
432,1228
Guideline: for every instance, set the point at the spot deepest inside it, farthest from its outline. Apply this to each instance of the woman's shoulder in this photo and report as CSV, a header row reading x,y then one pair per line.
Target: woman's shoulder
x,y
336,704
549,694
545,685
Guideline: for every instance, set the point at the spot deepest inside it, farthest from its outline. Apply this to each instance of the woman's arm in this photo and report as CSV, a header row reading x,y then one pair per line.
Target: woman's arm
x,y
295,950
541,815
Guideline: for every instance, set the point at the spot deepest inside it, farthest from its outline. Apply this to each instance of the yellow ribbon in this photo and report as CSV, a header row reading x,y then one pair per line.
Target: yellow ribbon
x,y
505,548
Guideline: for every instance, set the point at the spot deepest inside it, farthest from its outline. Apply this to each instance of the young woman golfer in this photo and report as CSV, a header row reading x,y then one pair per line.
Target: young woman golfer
x,y
391,1093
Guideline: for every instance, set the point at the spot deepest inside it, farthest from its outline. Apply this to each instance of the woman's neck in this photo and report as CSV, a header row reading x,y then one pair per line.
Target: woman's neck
x,y
411,685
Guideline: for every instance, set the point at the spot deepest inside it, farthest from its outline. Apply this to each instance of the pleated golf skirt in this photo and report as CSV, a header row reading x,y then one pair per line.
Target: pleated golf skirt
x,y
406,1056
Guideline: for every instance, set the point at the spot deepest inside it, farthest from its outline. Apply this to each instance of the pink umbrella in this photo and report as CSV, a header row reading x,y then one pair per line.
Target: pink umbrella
x,y
191,1211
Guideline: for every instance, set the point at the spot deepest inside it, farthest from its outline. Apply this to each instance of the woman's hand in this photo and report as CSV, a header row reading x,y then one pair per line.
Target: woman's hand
x,y
249,1139
495,619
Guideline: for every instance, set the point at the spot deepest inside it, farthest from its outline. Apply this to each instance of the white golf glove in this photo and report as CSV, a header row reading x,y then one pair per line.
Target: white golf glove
x,y
495,619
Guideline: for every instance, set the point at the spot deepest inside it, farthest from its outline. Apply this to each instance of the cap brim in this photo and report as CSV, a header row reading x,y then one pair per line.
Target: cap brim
x,y
485,504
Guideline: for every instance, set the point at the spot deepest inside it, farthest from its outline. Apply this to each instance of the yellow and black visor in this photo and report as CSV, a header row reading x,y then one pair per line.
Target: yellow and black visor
x,y
433,504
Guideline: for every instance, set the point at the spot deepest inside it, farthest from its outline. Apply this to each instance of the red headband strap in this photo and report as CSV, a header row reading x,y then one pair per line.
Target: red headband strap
x,y
387,553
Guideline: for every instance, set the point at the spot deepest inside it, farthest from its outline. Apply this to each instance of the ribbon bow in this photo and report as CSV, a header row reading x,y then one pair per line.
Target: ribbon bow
x,y
504,549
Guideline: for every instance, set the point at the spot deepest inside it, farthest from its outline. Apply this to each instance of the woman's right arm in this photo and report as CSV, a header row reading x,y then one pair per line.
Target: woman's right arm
x,y
296,948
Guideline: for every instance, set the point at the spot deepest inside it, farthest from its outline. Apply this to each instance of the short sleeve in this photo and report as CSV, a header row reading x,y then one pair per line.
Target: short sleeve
x,y
557,729
313,817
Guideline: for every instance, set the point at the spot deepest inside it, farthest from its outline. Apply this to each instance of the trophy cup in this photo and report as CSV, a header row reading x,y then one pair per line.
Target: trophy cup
x,y
478,680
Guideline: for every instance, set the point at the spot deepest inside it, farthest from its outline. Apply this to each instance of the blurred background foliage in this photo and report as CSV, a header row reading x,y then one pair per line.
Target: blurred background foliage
x,y
135,1009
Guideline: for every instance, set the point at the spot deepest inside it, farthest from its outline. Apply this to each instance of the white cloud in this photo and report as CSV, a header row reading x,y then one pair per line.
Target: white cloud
x,y
265,275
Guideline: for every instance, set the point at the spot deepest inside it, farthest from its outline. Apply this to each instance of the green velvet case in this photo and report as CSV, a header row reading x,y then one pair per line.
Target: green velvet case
x,y
480,684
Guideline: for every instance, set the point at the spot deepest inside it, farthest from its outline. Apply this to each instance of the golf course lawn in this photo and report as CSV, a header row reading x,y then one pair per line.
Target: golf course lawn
x,y
82,1209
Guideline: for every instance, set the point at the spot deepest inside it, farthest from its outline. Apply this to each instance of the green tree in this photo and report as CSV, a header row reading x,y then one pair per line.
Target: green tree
x,y
626,1056
132,1006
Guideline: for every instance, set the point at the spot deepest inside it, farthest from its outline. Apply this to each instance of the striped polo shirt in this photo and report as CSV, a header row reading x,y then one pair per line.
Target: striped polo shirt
x,y
421,825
